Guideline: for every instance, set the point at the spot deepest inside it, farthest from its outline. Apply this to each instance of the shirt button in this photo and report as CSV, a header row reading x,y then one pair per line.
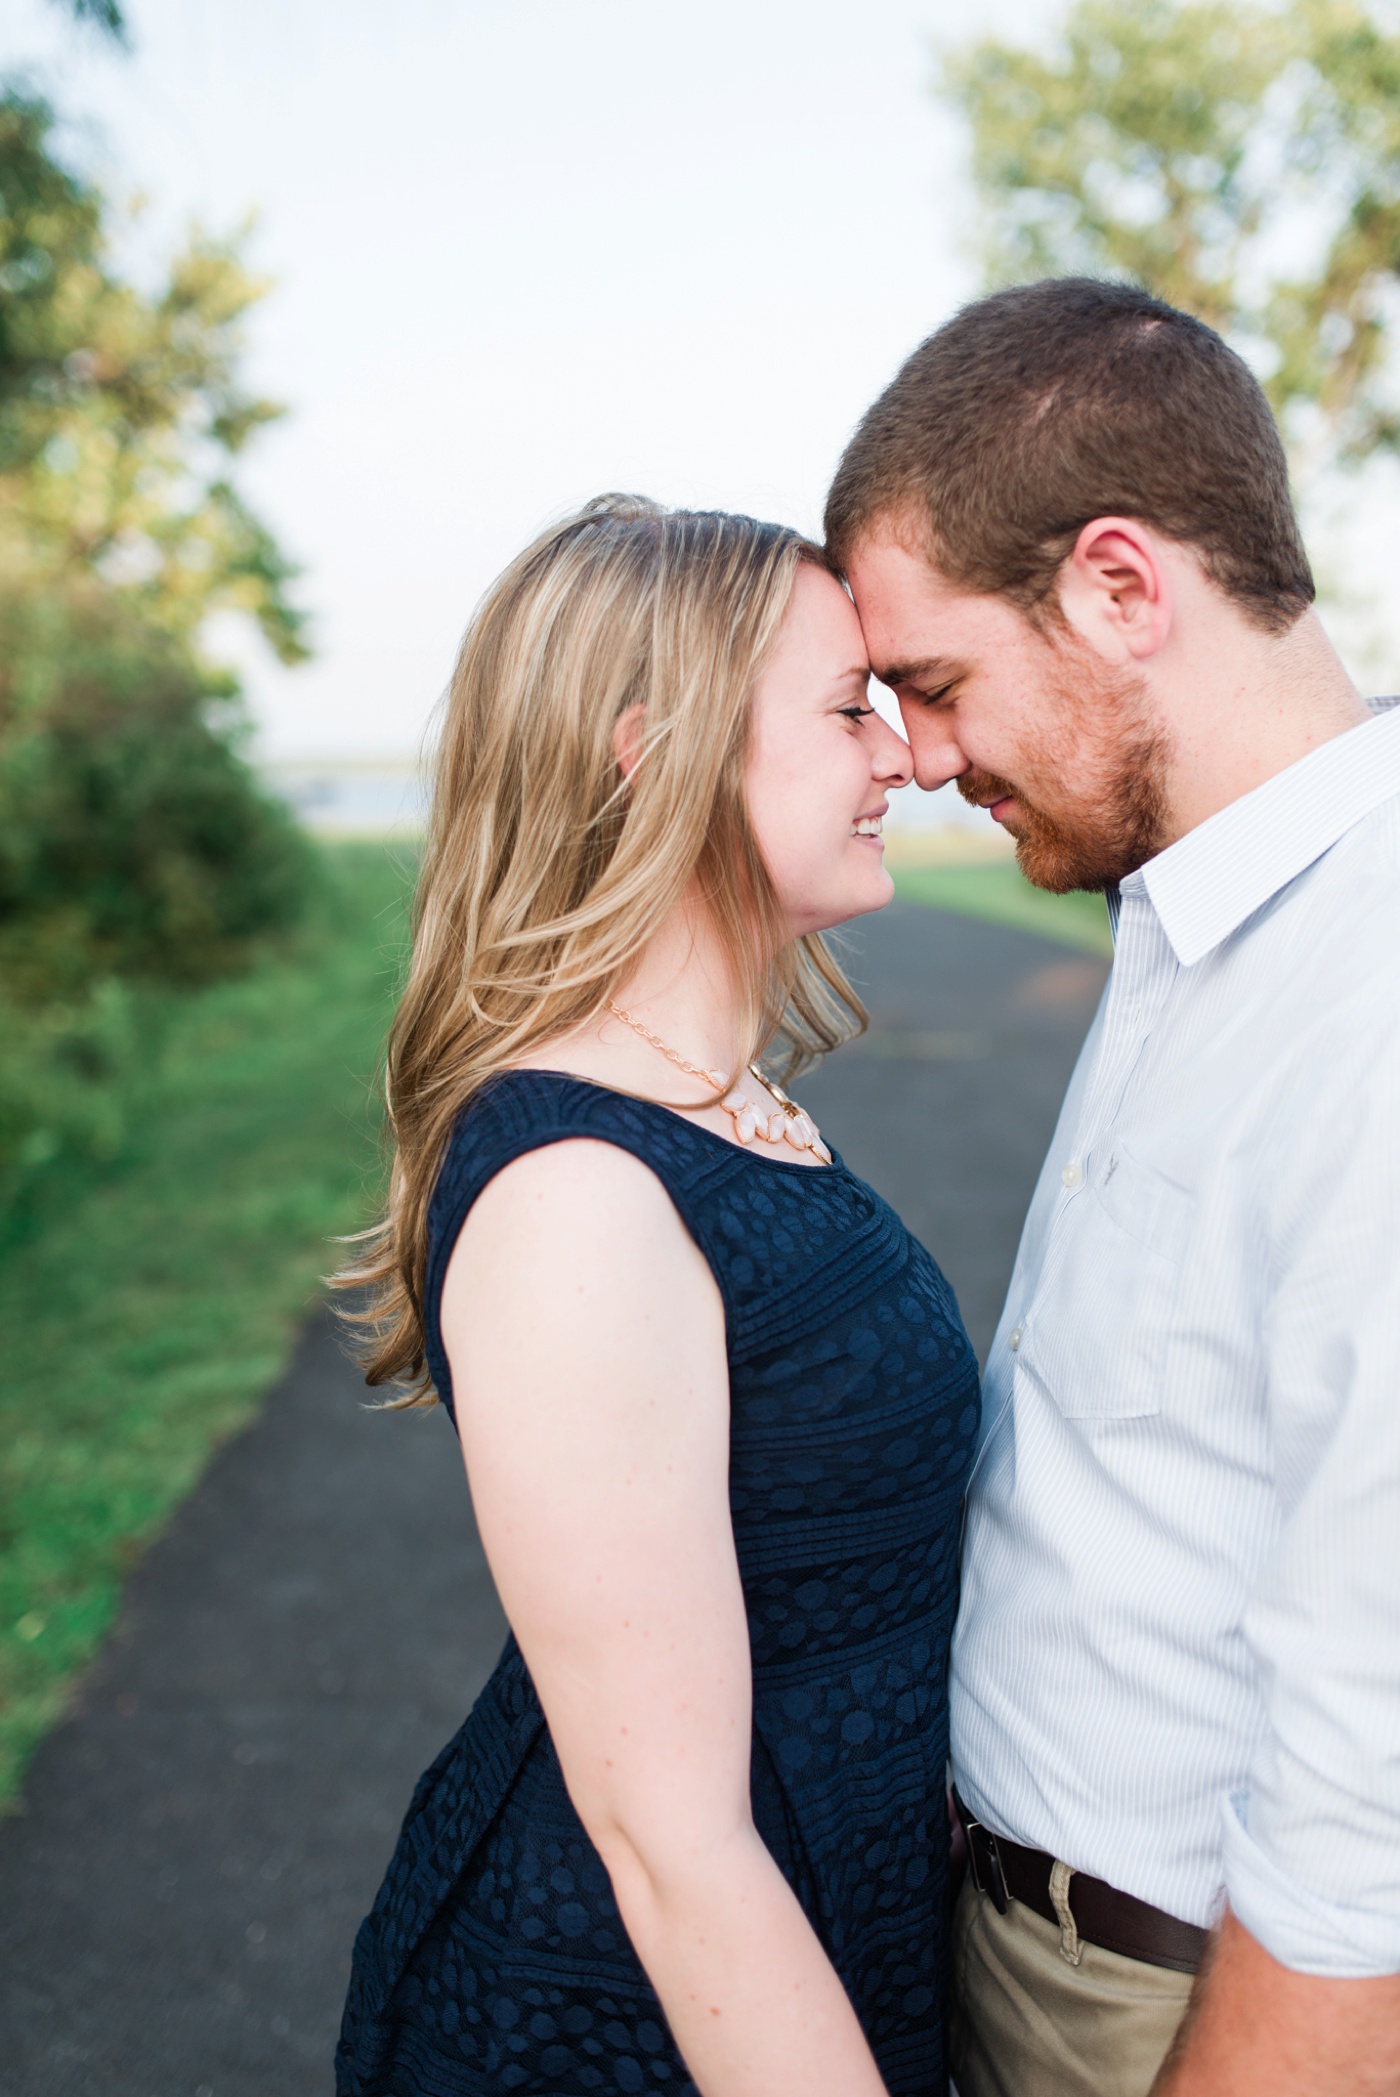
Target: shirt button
x,y
1073,1173
1013,1338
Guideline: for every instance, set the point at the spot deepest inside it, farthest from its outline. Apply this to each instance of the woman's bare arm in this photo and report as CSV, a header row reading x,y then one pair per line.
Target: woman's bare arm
x,y
586,1339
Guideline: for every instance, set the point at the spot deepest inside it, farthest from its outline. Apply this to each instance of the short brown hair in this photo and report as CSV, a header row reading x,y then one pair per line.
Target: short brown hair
x,y
1040,408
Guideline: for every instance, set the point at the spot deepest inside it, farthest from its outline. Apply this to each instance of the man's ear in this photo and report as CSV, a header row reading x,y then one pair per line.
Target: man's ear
x,y
629,733
1115,589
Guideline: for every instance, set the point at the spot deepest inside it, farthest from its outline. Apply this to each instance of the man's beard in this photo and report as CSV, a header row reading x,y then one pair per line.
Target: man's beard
x,y
1091,797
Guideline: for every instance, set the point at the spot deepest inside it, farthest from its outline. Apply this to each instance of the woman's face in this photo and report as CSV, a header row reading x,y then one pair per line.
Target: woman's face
x,y
821,763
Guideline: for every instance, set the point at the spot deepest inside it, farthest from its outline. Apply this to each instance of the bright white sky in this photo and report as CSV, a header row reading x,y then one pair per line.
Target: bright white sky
x,y
526,250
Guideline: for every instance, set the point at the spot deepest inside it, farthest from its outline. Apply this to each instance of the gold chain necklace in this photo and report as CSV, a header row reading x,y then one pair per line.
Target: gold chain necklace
x,y
784,1124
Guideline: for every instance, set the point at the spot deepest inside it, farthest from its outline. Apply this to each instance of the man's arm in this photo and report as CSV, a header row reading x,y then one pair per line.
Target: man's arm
x,y
1257,2029
1301,1995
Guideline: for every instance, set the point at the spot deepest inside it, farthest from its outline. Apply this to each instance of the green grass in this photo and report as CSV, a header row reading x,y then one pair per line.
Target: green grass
x,y
1001,892
148,1311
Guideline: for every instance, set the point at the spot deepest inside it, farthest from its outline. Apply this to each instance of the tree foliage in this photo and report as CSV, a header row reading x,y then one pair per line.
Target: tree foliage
x,y
120,413
104,15
1240,160
133,843
136,849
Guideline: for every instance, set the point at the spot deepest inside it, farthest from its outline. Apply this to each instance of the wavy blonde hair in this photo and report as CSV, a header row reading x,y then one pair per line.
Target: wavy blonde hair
x,y
546,873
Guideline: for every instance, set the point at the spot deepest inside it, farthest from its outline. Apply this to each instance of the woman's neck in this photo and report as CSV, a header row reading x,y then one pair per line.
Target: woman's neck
x,y
683,991
681,994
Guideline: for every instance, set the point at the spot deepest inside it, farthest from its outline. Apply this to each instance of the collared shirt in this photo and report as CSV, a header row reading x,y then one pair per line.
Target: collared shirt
x,y
1177,1665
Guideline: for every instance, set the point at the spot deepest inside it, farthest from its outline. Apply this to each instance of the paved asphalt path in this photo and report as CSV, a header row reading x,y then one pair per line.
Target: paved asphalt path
x,y
201,1837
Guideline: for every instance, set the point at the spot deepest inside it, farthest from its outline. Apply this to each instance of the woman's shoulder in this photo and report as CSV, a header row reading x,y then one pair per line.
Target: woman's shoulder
x,y
520,1114
520,1110
520,1102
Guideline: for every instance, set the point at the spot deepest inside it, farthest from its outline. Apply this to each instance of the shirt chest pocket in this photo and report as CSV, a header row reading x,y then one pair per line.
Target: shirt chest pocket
x,y
1099,1336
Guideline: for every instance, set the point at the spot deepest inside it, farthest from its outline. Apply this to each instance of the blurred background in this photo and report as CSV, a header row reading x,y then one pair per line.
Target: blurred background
x,y
310,316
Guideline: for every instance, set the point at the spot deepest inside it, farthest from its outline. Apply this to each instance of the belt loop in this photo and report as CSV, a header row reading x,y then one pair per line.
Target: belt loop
x,y
1071,1949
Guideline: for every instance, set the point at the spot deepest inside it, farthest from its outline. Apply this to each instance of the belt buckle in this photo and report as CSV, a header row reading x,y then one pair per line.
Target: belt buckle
x,y
996,1891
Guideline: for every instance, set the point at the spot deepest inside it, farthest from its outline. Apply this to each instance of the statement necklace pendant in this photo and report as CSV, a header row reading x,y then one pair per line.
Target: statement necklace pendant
x,y
784,1124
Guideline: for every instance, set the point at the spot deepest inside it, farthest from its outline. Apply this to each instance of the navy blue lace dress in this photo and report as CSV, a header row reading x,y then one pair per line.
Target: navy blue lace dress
x,y
494,1958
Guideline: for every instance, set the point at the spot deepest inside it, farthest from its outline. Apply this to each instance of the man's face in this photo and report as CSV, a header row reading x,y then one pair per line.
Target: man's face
x,y
1035,725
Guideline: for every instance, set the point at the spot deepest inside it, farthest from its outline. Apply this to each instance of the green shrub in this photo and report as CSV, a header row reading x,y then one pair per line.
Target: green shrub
x,y
137,856
134,841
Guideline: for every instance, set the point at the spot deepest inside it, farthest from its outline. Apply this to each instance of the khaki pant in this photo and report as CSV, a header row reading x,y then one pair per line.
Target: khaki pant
x,y
1028,2024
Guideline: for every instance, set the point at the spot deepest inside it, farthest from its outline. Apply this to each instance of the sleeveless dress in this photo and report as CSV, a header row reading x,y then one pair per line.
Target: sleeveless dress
x,y
494,1958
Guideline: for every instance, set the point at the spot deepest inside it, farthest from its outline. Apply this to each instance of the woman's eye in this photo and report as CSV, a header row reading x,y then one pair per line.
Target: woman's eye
x,y
857,713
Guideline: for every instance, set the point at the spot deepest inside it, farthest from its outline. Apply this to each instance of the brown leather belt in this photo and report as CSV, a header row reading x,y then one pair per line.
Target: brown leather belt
x,y
1006,1871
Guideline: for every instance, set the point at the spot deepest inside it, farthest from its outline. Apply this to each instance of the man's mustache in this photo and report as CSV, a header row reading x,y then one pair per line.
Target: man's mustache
x,y
982,788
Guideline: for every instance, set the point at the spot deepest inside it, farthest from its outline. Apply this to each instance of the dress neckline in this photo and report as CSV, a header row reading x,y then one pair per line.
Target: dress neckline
x,y
640,1099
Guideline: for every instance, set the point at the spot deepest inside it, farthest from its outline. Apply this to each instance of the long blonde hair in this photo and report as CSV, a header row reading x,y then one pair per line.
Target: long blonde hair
x,y
546,872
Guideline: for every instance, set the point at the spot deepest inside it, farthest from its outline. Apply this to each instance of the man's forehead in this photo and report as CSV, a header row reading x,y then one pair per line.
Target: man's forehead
x,y
920,626
899,582
909,614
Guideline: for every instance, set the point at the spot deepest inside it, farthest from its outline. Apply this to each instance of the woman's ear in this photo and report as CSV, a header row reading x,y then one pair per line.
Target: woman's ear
x,y
1115,589
629,734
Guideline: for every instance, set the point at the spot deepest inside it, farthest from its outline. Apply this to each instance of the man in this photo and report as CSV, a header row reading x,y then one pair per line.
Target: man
x,y
1176,1687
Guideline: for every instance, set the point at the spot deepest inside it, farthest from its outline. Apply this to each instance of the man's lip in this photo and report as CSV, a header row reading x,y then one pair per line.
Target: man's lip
x,y
999,809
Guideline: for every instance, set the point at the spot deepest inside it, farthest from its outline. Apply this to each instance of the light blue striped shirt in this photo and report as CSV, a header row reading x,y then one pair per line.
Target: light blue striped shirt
x,y
1177,1665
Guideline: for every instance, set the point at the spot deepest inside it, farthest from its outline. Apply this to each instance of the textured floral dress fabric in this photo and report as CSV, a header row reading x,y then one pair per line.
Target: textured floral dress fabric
x,y
494,1958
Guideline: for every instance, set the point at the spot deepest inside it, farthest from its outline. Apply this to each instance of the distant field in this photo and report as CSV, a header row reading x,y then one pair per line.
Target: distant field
x,y
997,890
142,1323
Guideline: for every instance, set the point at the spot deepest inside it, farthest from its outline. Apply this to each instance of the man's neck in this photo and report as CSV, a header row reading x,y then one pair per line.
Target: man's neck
x,y
1242,706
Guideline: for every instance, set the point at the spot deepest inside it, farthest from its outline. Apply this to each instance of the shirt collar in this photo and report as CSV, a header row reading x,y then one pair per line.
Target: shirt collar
x,y
1205,885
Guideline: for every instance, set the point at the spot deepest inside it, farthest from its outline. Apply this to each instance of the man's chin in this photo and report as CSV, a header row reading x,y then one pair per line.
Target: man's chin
x,y
1058,864
1046,858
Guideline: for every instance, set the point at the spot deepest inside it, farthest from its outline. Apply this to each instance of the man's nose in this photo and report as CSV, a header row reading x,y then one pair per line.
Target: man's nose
x,y
938,756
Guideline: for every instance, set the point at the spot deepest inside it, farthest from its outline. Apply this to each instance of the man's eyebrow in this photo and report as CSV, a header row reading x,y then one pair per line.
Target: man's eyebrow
x,y
933,669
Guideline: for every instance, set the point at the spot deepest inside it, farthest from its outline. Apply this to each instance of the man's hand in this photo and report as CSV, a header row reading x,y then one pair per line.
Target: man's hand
x,y
1257,2029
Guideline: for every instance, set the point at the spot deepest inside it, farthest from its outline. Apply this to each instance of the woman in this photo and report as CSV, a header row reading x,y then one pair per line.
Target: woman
x,y
716,1406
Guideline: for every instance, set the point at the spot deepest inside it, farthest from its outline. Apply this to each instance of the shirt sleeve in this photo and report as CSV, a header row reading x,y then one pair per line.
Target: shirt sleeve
x,y
1312,1841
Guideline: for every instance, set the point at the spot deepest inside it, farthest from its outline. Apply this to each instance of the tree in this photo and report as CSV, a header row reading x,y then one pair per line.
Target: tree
x,y
105,15
120,413
136,847
1241,161
134,844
